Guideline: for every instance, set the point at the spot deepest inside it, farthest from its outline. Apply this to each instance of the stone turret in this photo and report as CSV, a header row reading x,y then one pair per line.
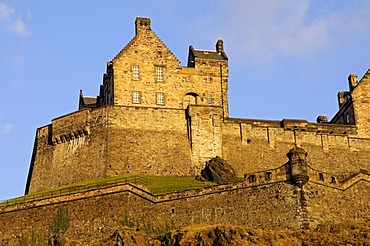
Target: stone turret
x,y
297,167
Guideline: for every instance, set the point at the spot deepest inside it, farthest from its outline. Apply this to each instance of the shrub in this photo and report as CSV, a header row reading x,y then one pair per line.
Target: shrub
x,y
61,222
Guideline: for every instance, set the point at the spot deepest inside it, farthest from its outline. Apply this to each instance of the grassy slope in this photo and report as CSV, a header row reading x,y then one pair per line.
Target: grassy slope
x,y
155,184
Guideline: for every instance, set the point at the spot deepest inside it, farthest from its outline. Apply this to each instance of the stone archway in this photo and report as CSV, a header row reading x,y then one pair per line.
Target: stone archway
x,y
190,98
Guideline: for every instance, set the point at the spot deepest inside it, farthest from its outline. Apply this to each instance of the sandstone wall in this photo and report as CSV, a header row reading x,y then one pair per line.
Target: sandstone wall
x,y
270,206
110,141
180,85
71,149
116,140
275,205
147,141
361,105
254,145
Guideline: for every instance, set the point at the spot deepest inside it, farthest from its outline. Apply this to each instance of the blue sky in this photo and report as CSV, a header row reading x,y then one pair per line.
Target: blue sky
x,y
287,58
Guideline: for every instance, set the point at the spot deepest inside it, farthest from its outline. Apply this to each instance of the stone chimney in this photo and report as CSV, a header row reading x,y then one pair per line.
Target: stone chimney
x,y
341,99
352,81
322,119
142,24
220,46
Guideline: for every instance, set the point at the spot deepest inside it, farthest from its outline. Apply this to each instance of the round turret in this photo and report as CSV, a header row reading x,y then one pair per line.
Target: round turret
x,y
297,167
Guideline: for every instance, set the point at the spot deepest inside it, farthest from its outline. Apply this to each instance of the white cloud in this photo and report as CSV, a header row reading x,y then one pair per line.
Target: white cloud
x,y
6,12
5,128
20,28
10,21
268,28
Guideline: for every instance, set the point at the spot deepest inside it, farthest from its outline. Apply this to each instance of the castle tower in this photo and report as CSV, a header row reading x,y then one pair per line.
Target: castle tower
x,y
354,104
146,73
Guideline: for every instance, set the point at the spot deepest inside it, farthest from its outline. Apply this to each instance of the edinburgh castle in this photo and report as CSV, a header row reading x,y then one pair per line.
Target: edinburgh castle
x,y
156,118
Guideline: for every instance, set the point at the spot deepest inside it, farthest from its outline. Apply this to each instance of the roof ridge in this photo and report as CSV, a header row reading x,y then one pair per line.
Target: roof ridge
x,y
129,44
166,46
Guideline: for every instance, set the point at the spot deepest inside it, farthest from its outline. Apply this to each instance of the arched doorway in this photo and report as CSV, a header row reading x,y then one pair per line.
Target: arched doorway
x,y
190,98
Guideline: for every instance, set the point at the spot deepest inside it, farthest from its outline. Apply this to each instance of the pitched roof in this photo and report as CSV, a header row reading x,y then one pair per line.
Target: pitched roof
x,y
207,54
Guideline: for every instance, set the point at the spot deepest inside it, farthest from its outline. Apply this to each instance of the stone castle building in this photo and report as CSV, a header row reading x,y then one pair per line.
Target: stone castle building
x,y
155,117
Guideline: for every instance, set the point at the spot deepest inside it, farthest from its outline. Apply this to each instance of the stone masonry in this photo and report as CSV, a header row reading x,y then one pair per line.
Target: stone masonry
x,y
154,117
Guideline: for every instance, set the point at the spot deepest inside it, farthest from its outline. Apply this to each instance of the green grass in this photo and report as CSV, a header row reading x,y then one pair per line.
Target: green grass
x,y
156,185
169,184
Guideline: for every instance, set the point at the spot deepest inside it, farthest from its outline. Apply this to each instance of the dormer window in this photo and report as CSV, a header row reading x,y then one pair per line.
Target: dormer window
x,y
159,73
135,72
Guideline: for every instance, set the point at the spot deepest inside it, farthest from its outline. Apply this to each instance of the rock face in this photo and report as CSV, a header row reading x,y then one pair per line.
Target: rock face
x,y
219,171
354,234
323,234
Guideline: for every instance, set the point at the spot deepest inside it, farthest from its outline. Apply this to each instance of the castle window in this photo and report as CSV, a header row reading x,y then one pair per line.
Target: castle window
x,y
333,181
159,72
209,99
160,98
321,177
252,178
136,97
135,72
268,175
209,78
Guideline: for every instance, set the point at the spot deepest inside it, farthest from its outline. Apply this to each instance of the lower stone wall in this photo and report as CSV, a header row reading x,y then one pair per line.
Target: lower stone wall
x,y
271,206
97,214
250,147
337,206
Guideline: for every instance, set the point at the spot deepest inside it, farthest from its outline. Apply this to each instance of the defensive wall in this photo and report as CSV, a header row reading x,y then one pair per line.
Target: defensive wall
x,y
265,199
116,140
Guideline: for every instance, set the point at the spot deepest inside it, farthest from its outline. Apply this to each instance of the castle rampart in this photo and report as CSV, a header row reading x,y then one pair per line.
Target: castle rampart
x,y
269,200
116,140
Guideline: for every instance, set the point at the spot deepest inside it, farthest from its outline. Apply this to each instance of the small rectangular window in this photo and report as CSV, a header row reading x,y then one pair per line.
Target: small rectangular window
x,y
209,99
135,72
321,177
268,176
160,98
136,97
159,72
209,78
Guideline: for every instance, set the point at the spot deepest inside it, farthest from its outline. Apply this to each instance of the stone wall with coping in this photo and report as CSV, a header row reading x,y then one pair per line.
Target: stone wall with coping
x,y
272,204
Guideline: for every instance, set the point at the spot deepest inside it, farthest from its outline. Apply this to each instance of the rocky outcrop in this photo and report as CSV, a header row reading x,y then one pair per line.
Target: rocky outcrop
x,y
323,234
219,171
328,234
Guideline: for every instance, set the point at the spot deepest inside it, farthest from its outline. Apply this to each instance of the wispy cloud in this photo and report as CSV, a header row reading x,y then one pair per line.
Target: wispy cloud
x,y
6,12
269,28
10,21
5,128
